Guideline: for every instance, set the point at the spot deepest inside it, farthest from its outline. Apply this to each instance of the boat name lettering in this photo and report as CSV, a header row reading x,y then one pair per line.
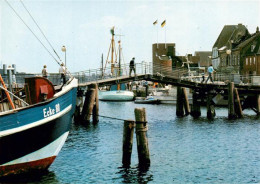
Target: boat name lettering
x,y
49,111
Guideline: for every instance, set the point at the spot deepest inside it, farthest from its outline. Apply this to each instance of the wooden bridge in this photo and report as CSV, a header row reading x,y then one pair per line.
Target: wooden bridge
x,y
242,91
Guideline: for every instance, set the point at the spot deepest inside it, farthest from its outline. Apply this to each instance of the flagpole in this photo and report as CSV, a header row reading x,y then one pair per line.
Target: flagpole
x,y
165,36
157,35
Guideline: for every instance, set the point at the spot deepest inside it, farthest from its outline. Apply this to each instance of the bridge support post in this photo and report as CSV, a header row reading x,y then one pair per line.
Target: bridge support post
x,y
231,109
89,103
95,115
146,90
195,107
258,104
186,102
210,107
179,105
238,108
79,105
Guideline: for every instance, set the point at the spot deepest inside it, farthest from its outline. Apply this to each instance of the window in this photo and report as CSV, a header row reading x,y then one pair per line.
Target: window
x,y
250,60
252,48
215,52
246,61
254,60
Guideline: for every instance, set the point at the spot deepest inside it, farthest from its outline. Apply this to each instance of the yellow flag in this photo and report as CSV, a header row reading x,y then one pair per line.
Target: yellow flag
x,y
155,22
163,23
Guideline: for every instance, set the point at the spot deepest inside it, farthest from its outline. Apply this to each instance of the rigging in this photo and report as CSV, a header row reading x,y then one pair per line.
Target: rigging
x,y
40,29
32,32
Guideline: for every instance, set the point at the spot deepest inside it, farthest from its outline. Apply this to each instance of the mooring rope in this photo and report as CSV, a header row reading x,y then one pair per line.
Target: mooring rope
x,y
112,117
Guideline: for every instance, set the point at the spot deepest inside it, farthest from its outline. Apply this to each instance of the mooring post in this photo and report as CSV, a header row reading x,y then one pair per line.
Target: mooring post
x,y
88,104
195,107
95,115
146,89
210,107
141,138
79,104
186,102
231,109
238,108
258,104
128,135
179,105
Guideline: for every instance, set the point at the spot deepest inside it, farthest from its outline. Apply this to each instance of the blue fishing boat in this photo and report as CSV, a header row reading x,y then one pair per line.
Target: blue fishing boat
x,y
32,136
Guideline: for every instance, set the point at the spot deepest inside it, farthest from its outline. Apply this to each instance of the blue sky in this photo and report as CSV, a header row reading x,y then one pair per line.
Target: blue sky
x,y
83,26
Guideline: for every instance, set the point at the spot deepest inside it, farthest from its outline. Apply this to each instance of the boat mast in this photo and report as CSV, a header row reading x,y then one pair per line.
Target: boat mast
x,y
112,50
119,59
102,67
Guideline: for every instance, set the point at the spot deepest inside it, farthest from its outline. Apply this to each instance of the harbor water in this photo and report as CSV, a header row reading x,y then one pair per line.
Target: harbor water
x,y
182,150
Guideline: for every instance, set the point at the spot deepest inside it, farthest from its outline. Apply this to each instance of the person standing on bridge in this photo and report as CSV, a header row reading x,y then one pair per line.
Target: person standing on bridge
x,y
210,72
132,66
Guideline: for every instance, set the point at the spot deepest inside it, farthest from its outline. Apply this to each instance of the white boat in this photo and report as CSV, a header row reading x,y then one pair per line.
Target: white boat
x,y
117,92
118,95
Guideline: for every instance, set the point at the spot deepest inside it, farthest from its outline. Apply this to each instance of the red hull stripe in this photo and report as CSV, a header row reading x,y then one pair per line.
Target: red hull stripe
x,y
26,167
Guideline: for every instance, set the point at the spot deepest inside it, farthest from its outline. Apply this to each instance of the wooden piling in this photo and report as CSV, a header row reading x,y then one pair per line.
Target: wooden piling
x,y
258,104
195,107
141,138
128,135
186,102
95,115
210,107
146,90
79,106
238,107
231,109
179,105
88,104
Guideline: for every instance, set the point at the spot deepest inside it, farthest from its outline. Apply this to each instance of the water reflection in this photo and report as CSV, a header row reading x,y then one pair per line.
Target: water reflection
x,y
35,177
135,175
182,150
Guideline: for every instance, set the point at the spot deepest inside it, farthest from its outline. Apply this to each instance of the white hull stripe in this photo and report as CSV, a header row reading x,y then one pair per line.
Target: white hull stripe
x,y
36,123
50,150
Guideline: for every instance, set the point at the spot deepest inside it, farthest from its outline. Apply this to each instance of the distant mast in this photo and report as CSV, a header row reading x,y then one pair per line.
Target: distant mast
x,y
114,54
113,47
119,59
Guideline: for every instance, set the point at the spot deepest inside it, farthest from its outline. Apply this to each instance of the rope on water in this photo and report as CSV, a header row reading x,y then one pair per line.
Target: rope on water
x,y
112,117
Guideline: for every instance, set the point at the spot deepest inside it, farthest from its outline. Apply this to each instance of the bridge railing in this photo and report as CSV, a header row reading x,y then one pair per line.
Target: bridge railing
x,y
237,78
112,72
194,74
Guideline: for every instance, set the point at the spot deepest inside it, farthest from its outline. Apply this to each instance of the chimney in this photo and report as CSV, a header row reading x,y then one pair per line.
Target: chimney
x,y
257,29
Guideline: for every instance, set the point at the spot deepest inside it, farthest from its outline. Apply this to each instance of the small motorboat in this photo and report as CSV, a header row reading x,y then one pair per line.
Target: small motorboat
x,y
148,100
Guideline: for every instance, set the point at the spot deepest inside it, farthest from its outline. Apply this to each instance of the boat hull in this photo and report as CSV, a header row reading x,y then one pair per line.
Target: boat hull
x,y
31,138
119,95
